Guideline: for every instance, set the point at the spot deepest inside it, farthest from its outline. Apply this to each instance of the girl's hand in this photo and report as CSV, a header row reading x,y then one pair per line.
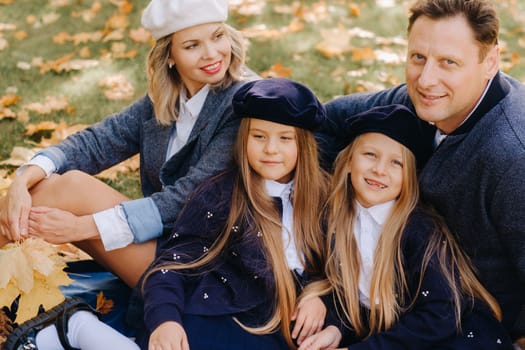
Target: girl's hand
x,y
58,226
328,338
168,336
309,318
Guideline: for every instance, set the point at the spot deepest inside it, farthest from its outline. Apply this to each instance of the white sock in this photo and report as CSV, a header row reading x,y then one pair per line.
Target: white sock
x,y
86,332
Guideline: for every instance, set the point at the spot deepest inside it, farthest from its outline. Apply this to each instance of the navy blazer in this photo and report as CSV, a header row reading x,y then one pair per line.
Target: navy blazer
x,y
167,184
430,322
239,282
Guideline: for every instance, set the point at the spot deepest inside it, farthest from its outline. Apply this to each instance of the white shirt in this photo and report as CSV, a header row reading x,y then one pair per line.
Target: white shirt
x,y
277,189
112,224
367,230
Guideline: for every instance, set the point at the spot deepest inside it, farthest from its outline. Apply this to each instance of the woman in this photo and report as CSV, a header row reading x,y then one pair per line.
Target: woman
x,y
183,130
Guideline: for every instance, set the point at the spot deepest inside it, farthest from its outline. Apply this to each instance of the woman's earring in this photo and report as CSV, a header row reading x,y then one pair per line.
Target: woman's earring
x,y
170,65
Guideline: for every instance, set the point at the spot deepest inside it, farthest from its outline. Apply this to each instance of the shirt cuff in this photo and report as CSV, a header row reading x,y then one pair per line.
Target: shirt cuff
x,y
41,161
143,218
113,228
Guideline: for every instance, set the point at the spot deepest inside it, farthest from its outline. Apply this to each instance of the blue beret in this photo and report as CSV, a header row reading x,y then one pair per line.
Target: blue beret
x,y
395,121
281,101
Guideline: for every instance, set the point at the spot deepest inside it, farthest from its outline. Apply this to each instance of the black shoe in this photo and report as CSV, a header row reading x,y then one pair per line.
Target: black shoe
x,y
23,337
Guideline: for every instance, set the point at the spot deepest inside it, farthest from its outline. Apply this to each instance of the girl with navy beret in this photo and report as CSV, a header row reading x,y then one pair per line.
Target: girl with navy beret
x,y
397,277
248,241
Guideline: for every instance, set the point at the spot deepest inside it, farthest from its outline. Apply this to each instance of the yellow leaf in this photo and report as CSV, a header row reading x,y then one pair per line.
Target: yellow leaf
x,y
32,129
139,35
278,70
118,21
354,10
9,99
34,270
20,35
6,113
366,54
117,87
104,305
19,155
129,165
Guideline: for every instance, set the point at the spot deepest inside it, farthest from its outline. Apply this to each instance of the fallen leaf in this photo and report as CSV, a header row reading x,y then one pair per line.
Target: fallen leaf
x,y
117,87
19,155
278,70
130,165
9,99
139,35
34,270
104,305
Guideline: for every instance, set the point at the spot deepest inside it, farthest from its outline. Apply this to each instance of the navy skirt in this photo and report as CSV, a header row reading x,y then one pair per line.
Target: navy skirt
x,y
223,333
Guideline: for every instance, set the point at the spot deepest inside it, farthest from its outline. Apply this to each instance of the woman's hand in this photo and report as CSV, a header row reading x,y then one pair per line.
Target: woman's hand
x,y
309,318
328,338
168,336
58,226
14,212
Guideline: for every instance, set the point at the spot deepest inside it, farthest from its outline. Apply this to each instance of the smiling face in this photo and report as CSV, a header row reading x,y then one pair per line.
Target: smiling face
x,y
444,74
201,54
271,149
376,169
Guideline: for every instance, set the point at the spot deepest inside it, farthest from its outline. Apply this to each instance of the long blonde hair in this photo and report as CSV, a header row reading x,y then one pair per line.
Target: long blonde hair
x,y
389,282
251,204
165,84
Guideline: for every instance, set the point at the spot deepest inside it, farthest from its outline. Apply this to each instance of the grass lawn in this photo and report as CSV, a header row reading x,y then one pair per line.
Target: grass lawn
x,y
55,54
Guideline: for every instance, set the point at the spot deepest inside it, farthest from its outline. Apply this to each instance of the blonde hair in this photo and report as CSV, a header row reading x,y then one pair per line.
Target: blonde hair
x,y
389,283
165,84
251,205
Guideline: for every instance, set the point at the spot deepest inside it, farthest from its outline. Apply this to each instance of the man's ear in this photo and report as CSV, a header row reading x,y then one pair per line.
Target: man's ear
x,y
491,62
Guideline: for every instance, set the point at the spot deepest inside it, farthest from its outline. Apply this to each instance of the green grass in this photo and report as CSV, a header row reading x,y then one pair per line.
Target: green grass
x,y
328,77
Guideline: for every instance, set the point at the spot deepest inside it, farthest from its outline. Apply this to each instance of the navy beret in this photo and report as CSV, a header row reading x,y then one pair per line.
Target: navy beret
x,y
395,121
281,101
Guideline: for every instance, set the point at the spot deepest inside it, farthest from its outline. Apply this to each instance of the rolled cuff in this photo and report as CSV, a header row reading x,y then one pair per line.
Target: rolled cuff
x,y
143,218
113,228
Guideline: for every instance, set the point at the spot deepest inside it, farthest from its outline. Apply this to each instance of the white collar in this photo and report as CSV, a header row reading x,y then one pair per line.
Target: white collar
x,y
278,189
378,212
194,104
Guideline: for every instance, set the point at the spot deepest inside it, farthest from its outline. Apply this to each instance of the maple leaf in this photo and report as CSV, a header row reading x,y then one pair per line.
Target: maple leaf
x,y
104,305
118,21
19,155
117,87
129,165
278,70
9,99
6,113
334,42
34,270
140,35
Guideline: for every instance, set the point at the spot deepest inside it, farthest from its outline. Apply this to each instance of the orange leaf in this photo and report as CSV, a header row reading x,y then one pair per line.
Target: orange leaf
x,y
277,71
354,10
104,305
9,99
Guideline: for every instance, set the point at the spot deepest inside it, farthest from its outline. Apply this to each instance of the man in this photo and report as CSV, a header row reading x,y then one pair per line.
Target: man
x,y
475,114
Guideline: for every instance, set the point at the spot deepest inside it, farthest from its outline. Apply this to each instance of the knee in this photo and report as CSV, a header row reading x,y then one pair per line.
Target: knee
x,y
73,178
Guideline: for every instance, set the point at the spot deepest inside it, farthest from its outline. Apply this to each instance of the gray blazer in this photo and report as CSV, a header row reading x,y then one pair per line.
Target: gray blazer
x,y
166,185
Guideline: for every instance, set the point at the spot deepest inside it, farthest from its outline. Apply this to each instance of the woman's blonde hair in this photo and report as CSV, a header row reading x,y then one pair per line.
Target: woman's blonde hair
x,y
165,84
252,205
389,282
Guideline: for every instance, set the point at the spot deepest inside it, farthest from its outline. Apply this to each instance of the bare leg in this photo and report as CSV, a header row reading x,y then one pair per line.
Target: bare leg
x,y
82,194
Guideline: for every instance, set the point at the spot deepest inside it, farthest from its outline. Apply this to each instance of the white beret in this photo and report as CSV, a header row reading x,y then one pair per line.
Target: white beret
x,y
163,17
